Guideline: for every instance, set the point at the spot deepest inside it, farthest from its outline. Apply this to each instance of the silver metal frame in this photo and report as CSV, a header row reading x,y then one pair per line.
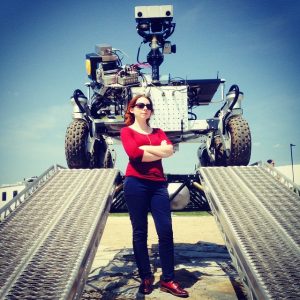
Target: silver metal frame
x,y
75,288
232,192
69,225
244,270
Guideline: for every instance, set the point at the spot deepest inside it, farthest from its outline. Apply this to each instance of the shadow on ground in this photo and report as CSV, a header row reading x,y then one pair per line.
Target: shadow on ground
x,y
204,269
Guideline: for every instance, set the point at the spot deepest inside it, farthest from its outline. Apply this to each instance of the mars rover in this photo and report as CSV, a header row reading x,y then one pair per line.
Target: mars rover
x,y
97,118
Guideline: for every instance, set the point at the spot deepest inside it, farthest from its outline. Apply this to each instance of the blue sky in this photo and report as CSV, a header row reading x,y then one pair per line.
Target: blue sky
x,y
252,43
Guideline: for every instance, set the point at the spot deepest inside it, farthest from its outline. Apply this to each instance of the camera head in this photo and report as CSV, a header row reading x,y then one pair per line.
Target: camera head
x,y
154,20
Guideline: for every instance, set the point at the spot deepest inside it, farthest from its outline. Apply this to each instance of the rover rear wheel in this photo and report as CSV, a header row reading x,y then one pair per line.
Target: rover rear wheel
x,y
102,157
240,144
108,160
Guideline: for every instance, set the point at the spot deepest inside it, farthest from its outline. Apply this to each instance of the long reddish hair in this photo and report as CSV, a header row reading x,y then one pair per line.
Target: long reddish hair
x,y
129,116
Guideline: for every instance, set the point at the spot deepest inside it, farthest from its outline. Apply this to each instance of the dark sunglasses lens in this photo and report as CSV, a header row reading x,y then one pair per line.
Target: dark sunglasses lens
x,y
142,105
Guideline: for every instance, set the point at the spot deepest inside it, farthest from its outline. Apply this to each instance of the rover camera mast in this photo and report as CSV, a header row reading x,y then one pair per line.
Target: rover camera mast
x,y
155,59
154,24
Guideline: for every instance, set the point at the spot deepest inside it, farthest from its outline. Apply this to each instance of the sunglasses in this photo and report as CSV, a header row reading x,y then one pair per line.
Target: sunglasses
x,y
142,105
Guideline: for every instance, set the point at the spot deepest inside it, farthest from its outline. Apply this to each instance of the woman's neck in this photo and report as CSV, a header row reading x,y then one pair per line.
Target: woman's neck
x,y
141,126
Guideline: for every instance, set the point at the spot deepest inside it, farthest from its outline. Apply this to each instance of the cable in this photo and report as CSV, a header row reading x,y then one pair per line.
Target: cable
x,y
138,53
193,115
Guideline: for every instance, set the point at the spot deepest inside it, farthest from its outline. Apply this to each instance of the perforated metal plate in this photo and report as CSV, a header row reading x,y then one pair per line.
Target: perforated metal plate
x,y
260,220
170,106
47,244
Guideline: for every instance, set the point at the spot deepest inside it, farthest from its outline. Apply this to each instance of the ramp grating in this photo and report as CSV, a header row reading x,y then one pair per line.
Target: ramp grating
x,y
48,243
260,220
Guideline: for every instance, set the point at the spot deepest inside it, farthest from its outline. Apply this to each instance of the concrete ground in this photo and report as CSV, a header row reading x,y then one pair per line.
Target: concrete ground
x,y
202,263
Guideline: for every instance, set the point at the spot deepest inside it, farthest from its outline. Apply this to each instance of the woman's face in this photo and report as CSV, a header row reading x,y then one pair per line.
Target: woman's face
x,y
142,109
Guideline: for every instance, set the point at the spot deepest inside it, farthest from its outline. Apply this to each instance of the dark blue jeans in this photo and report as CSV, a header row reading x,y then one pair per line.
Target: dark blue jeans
x,y
141,196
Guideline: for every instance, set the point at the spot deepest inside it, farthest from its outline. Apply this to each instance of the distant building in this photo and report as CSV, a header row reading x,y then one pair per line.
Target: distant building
x,y
9,191
288,172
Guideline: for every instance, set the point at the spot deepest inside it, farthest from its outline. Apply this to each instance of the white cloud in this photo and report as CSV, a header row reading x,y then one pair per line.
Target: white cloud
x,y
276,146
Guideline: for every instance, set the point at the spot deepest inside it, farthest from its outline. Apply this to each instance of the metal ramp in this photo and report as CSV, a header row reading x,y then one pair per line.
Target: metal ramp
x,y
259,217
48,242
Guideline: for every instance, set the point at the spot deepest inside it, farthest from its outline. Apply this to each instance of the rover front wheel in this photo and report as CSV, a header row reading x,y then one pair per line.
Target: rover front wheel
x,y
76,145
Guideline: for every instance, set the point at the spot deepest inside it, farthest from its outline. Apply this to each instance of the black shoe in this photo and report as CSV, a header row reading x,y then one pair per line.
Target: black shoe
x,y
146,286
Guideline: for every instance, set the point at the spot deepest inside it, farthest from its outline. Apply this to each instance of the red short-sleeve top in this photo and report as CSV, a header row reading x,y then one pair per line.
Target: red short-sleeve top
x,y
131,141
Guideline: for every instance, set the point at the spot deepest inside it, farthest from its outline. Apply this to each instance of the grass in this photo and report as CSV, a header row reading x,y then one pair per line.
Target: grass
x,y
174,213
191,213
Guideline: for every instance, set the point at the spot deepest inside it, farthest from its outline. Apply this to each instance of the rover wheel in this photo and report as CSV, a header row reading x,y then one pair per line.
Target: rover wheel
x,y
76,145
101,157
240,141
204,160
95,158
220,155
108,160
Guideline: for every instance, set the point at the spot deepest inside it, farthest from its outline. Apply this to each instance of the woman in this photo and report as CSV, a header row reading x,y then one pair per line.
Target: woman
x,y
145,188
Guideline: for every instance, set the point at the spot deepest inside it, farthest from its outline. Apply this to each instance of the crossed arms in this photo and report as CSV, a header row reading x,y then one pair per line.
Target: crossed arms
x,y
152,153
